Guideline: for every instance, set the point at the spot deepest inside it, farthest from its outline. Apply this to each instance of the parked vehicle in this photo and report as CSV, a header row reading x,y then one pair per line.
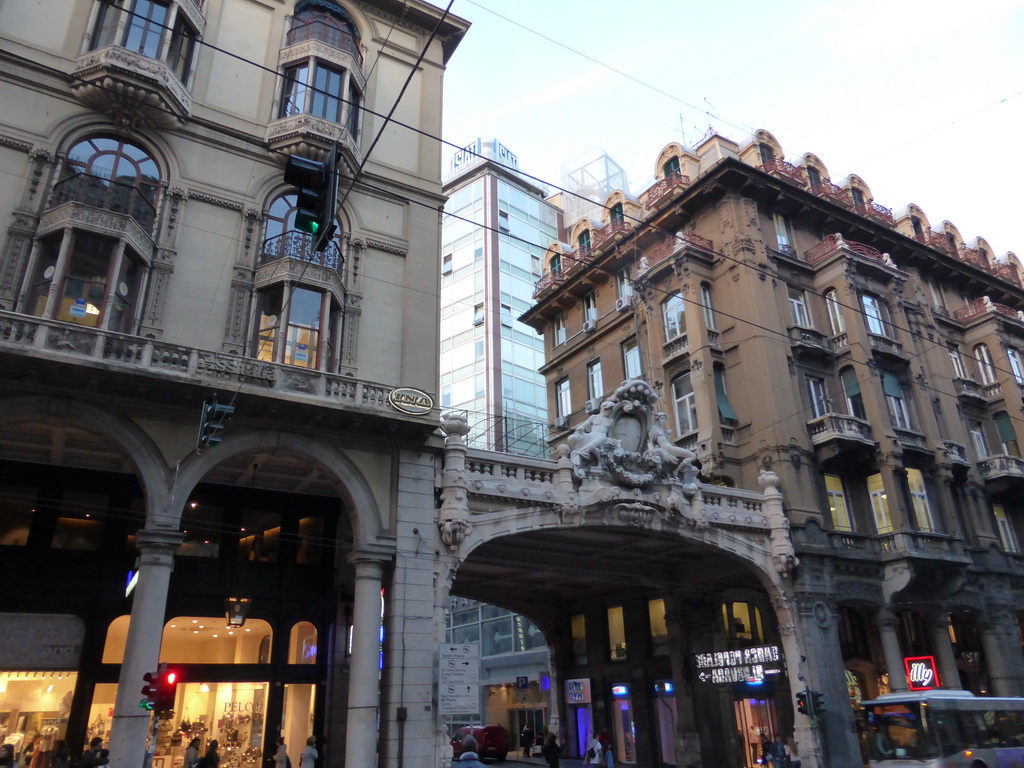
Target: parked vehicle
x,y
491,740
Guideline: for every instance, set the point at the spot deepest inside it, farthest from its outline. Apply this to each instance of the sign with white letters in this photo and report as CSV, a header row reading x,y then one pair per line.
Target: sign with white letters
x,y
921,673
458,679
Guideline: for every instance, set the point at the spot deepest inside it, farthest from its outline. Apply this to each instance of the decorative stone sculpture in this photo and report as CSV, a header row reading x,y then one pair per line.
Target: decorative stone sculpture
x,y
590,440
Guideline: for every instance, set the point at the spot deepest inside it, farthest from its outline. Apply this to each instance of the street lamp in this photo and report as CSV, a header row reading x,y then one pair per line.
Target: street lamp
x,y
236,609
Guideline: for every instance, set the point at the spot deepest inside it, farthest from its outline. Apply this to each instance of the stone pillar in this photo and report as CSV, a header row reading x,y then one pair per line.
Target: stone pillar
x,y
59,268
804,732
891,649
130,725
699,620
944,656
1003,656
364,675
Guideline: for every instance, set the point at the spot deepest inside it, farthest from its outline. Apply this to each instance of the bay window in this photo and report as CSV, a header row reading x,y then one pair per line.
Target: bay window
x,y
298,325
156,29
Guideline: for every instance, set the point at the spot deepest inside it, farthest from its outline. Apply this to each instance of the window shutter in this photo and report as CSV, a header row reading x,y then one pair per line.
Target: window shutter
x,y
725,411
850,384
891,386
1005,428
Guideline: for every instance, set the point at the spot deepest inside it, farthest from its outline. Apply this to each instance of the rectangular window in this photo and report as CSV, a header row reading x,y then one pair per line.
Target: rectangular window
x,y
478,314
707,309
837,503
631,358
296,90
977,432
896,402
1015,364
624,282
685,405
958,362
506,315
798,308
919,500
560,332
183,44
595,382
590,307
656,614
503,221
616,634
782,233
818,396
879,504
145,28
835,313
674,316
876,315
726,414
579,638
325,101
1007,434
563,400
446,264
1005,529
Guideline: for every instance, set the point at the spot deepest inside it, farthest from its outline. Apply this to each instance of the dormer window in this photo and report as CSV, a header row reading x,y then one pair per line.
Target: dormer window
x,y
857,195
766,153
617,215
583,241
671,167
813,177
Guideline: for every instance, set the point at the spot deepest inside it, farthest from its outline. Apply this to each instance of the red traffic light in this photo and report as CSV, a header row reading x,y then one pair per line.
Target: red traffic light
x,y
172,678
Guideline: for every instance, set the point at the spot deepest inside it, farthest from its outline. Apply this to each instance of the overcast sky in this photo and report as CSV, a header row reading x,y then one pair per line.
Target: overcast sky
x,y
924,99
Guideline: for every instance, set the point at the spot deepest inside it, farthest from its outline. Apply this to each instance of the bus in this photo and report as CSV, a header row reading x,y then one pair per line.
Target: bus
x,y
944,729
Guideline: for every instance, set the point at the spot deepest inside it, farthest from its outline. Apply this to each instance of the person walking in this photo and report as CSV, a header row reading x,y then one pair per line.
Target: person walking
x,y
309,754
61,754
192,753
281,756
469,757
212,757
609,757
95,755
593,755
551,749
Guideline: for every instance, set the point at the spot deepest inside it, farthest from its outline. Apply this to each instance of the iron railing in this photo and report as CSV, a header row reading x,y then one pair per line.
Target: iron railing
x,y
327,32
114,196
299,246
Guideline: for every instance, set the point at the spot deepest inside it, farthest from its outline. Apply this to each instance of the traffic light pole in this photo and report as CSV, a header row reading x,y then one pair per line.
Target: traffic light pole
x,y
151,747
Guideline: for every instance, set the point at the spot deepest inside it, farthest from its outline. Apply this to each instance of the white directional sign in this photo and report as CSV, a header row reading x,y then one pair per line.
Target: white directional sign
x,y
458,679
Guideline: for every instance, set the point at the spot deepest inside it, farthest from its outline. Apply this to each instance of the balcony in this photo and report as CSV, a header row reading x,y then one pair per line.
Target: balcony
x,y
661,189
837,429
157,361
129,84
832,244
608,233
984,306
810,340
921,544
673,245
836,194
780,168
877,213
911,440
674,348
298,246
1002,470
331,35
968,389
885,345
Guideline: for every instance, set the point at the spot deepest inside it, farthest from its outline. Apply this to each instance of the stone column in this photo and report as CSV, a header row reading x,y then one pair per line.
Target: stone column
x,y
944,657
804,732
698,624
130,725
58,271
364,673
1002,653
891,649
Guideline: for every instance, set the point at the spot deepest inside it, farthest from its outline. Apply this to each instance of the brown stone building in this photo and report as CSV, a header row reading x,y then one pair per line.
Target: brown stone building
x,y
872,361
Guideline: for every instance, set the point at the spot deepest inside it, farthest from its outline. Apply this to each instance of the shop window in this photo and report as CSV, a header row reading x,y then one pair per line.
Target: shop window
x,y
302,644
616,633
259,536
835,313
579,638
17,507
742,623
298,714
674,316
837,503
986,368
311,541
231,713
879,504
35,703
201,525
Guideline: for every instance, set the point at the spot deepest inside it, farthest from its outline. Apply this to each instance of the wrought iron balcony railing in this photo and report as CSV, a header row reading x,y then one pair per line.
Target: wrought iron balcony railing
x,y
114,196
299,246
327,33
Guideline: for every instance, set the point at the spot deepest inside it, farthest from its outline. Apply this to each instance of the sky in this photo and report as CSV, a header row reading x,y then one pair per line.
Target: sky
x,y
923,99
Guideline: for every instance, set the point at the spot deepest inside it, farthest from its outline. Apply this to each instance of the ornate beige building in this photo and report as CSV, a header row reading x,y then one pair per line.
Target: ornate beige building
x,y
148,261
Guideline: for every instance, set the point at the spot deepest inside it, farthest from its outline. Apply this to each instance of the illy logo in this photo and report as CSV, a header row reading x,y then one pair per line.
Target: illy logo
x,y
921,673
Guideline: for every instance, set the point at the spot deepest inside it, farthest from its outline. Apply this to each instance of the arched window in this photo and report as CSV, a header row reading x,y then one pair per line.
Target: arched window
x,y
326,22
617,215
835,312
297,324
766,153
671,167
98,275
985,366
583,241
673,312
302,644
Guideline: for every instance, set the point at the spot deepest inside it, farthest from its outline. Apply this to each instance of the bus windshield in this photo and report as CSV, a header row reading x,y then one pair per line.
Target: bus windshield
x,y
898,730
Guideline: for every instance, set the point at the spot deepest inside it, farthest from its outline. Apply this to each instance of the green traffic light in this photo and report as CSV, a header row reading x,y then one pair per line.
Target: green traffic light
x,y
146,704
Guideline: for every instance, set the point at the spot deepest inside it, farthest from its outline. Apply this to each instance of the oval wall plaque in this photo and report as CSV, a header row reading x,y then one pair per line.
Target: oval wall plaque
x,y
411,401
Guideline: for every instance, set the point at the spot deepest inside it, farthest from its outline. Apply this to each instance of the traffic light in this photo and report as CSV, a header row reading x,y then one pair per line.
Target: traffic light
x,y
150,690
167,686
817,703
316,183
801,703
211,422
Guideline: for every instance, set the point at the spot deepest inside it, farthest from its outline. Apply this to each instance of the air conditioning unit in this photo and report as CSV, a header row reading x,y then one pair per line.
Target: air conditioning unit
x,y
594,405
562,422
623,303
589,326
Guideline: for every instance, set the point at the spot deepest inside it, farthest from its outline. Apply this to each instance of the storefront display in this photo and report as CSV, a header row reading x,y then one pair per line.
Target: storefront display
x,y
34,708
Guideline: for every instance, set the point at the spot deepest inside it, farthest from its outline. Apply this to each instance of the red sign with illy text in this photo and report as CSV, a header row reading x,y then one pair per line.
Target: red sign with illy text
x,y
922,674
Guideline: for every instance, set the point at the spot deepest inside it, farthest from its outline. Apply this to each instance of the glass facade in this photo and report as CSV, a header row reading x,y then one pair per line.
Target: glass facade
x,y
491,252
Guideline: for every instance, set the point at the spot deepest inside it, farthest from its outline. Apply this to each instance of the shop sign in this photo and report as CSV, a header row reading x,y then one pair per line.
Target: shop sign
x,y
133,580
749,665
40,641
921,673
577,691
411,401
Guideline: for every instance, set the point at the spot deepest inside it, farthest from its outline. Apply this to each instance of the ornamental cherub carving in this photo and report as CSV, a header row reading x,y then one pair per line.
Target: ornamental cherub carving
x,y
590,438
673,458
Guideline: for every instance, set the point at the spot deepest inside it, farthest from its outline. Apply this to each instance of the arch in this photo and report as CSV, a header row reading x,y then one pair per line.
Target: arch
x,y
685,159
584,225
813,162
279,228
760,148
302,643
137,446
306,9
620,206
855,182
554,257
75,132
354,489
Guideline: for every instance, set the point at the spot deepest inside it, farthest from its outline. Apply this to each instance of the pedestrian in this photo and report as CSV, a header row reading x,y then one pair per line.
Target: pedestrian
x,y
212,757
526,740
469,757
61,754
6,756
551,750
281,756
609,758
95,755
192,753
593,755
309,754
